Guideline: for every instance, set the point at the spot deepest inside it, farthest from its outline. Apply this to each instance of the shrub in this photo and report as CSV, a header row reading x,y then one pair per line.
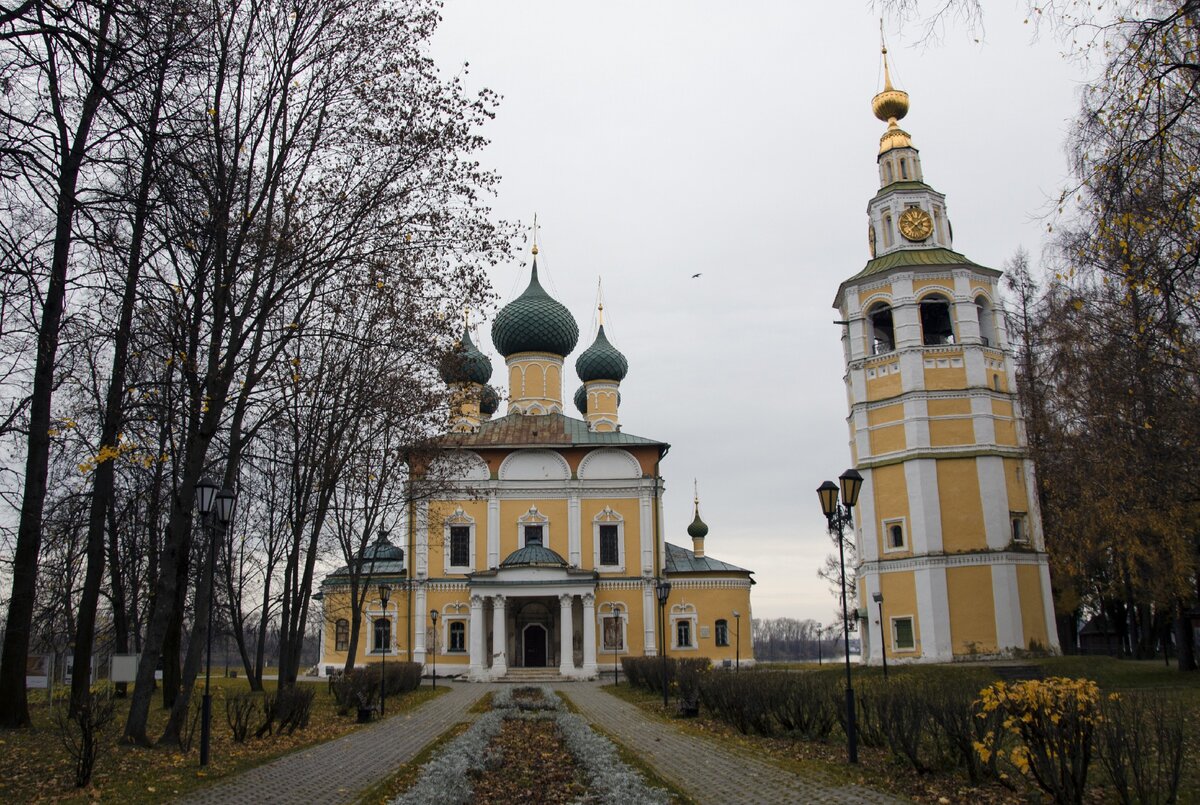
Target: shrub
x,y
1052,723
402,677
356,689
1141,746
952,710
805,706
187,733
287,710
903,715
80,733
239,712
744,700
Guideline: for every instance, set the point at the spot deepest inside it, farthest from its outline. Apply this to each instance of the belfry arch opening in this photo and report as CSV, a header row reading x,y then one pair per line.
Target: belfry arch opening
x,y
880,328
987,321
937,329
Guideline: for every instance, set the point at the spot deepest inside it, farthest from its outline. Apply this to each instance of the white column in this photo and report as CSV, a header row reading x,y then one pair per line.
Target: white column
x,y
646,533
477,643
589,635
574,541
649,627
499,638
493,532
566,636
419,625
422,526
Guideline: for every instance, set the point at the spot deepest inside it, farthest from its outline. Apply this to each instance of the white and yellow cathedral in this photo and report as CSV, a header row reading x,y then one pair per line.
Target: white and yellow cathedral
x,y
544,549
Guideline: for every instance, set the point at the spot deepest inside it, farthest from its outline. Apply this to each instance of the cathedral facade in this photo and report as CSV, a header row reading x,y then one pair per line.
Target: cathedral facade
x,y
539,542
951,557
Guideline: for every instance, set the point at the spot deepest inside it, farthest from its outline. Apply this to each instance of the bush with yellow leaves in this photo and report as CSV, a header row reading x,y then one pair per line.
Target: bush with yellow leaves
x,y
1046,731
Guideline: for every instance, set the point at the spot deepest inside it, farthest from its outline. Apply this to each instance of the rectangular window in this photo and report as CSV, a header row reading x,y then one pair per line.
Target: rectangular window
x,y
613,639
722,633
1019,533
383,634
893,535
458,636
533,535
609,552
460,546
902,634
342,635
683,634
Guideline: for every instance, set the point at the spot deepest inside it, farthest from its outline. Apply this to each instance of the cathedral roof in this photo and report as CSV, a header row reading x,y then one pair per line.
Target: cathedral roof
x,y
489,400
549,430
913,258
534,556
535,322
465,363
601,361
681,560
380,558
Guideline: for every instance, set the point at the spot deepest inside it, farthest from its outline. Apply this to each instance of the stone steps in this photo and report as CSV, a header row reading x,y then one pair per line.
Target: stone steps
x,y
529,675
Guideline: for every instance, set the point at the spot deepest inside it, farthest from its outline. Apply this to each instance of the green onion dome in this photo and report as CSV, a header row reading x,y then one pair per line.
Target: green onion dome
x,y
489,401
601,361
534,322
698,529
465,363
581,399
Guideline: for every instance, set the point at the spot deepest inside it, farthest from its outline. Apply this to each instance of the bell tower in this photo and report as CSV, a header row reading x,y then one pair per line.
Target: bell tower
x,y
948,531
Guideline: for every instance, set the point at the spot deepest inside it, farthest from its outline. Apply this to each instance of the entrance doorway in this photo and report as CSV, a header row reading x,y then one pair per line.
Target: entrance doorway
x,y
535,646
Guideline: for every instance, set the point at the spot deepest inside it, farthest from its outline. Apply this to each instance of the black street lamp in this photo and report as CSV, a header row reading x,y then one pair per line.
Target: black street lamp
x,y
385,594
820,632
663,590
433,615
839,517
214,505
617,644
878,596
737,641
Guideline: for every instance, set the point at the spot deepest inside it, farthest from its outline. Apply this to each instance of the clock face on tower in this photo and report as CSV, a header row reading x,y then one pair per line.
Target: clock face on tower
x,y
915,224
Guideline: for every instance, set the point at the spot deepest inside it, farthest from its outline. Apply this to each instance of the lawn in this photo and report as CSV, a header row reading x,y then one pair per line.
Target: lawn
x,y
878,769
35,767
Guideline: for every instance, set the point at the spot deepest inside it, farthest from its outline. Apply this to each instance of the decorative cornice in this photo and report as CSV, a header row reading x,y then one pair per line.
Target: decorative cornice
x,y
956,451
944,560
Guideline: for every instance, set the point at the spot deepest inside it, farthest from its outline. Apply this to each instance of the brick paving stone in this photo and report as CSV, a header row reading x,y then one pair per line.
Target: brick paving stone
x,y
337,771
710,772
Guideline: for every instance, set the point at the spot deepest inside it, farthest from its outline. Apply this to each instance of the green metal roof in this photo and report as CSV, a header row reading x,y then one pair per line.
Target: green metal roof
x,y
535,322
601,361
464,362
489,400
904,185
681,560
549,430
534,556
913,258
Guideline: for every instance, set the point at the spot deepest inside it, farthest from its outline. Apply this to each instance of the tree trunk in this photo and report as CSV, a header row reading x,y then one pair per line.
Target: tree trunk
x,y
196,654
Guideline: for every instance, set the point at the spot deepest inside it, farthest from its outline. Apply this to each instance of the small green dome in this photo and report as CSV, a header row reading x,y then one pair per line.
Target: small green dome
x,y
489,401
601,361
535,322
534,556
698,529
581,399
465,363
383,549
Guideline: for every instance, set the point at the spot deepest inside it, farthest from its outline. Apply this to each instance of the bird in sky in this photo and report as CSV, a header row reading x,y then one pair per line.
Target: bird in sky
x,y
696,275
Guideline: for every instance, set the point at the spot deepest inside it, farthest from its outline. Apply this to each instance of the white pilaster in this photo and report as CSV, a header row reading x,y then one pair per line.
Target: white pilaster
x,y
422,526
924,506
419,625
933,613
477,644
646,533
649,638
589,635
493,532
1010,632
499,638
1048,605
574,527
566,636
994,492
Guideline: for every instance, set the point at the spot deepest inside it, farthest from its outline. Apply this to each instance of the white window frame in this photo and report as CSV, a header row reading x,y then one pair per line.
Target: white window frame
x,y
1023,518
613,610
887,536
717,633
684,612
608,517
374,615
447,623
336,623
896,649
459,518
533,517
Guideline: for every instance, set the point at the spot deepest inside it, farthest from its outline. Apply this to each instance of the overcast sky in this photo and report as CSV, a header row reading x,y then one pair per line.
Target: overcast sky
x,y
657,140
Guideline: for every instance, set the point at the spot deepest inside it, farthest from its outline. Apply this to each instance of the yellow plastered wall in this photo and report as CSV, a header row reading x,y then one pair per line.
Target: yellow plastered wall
x,y
337,606
713,604
1033,620
452,605
954,377
949,432
883,387
891,501
939,408
438,512
889,439
919,285
553,508
900,600
1014,480
972,609
629,509
962,522
1006,426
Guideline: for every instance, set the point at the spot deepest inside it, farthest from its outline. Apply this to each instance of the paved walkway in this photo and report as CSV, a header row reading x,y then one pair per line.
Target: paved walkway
x,y
708,771
335,772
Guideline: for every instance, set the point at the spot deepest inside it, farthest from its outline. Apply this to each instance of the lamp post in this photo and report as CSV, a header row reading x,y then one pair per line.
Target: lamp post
x,y
617,647
385,594
217,505
820,632
663,590
878,596
433,615
839,516
737,641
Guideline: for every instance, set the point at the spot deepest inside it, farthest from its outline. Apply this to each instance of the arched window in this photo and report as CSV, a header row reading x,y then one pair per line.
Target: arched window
x,y
887,230
903,168
881,328
383,635
936,327
987,321
458,636
887,170
722,633
341,635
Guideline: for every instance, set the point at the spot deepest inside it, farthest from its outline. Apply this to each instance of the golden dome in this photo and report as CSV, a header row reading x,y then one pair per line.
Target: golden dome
x,y
891,104
894,137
